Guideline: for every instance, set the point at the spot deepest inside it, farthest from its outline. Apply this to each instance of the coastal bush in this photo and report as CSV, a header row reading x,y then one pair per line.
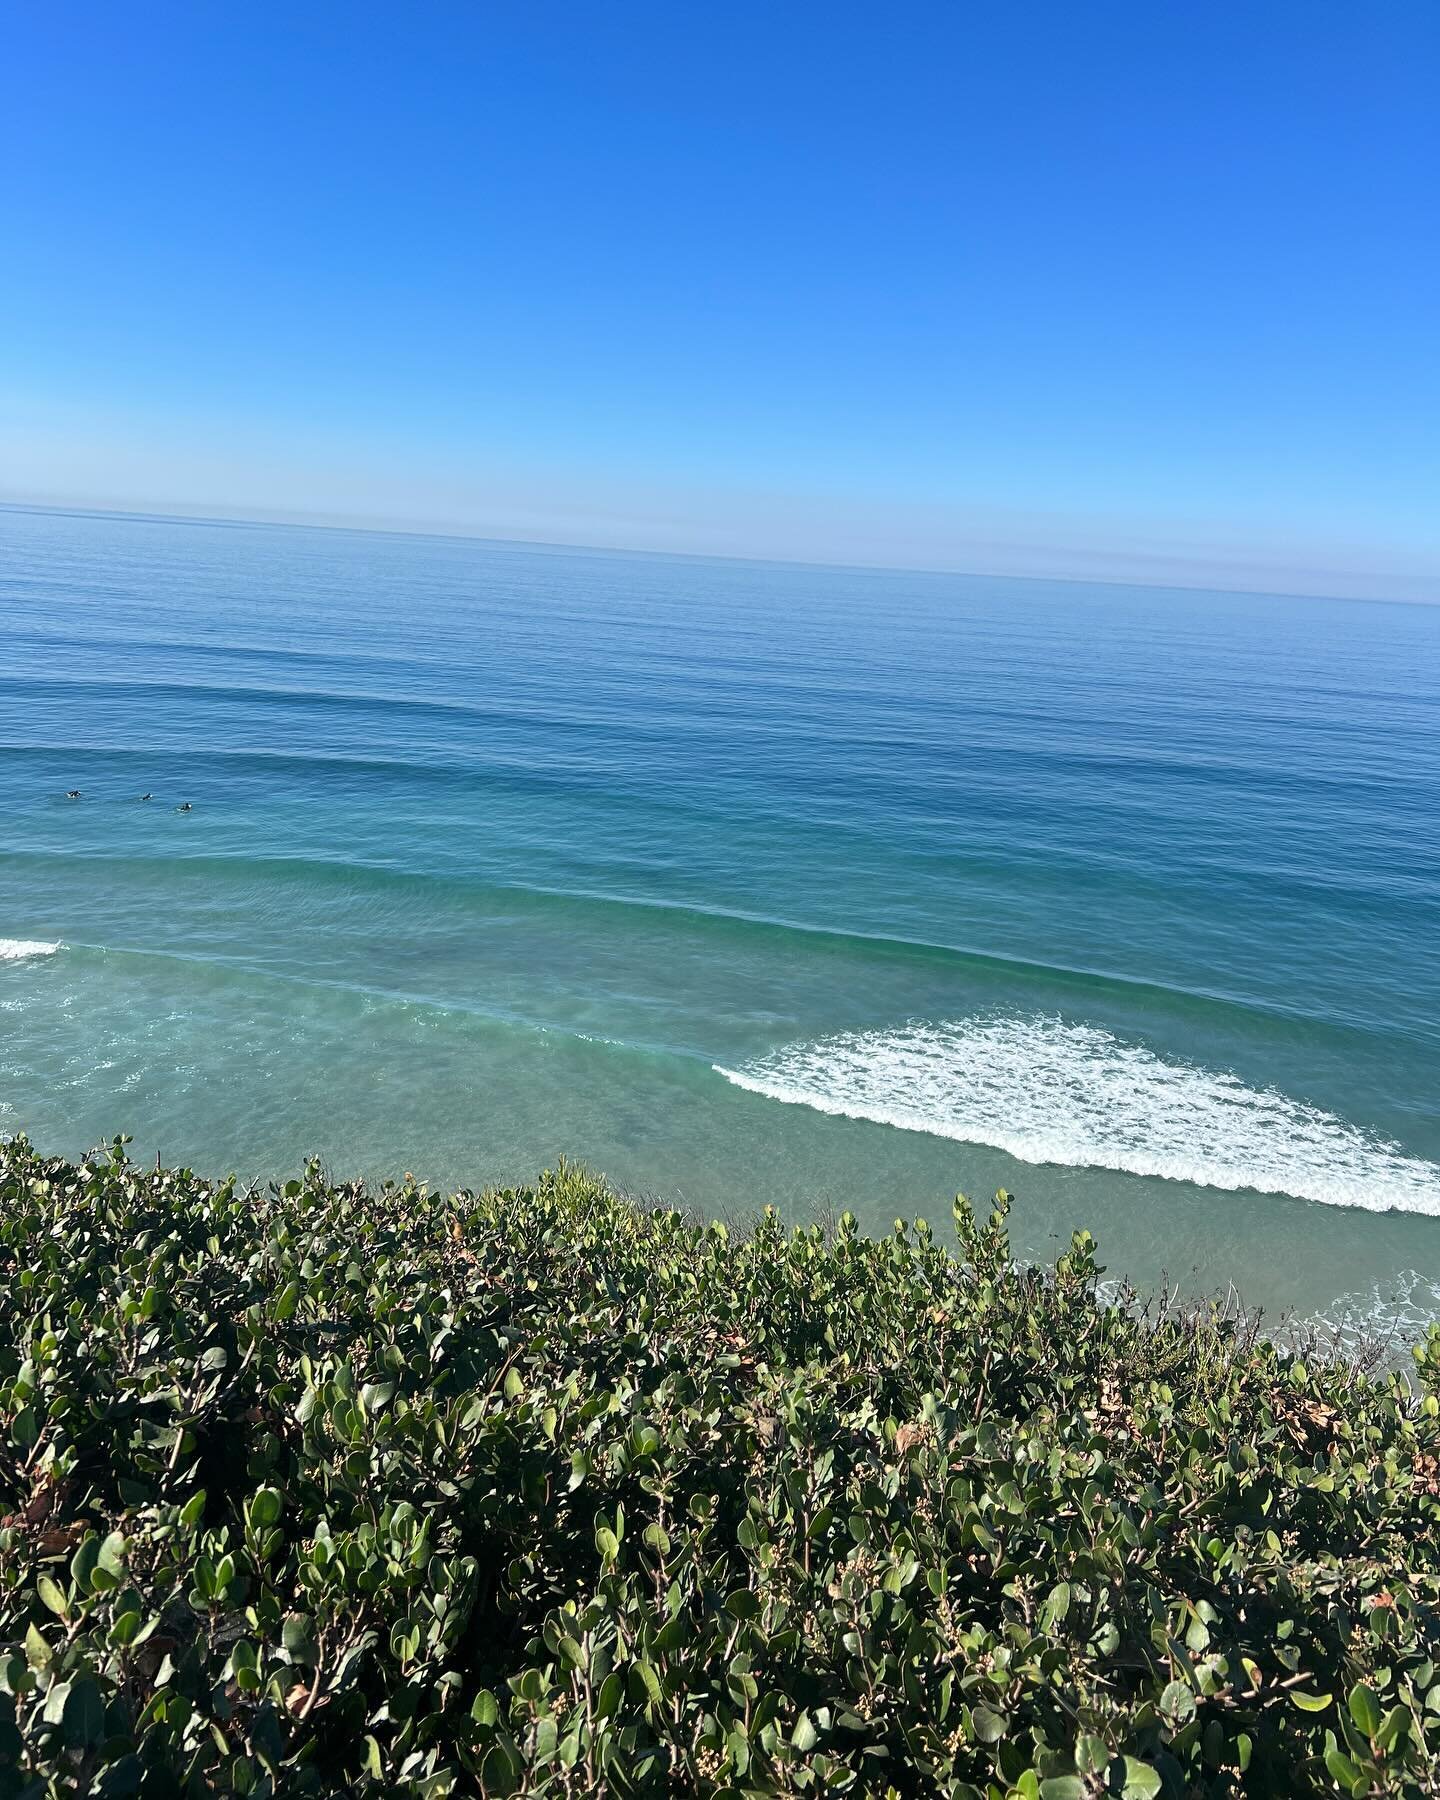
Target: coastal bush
x,y
324,1490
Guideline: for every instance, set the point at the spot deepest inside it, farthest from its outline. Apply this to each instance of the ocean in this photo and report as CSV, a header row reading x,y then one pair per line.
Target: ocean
x,y
744,883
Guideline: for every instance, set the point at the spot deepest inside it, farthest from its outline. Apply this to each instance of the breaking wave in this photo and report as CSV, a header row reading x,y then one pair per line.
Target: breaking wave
x,y
17,949
1046,1091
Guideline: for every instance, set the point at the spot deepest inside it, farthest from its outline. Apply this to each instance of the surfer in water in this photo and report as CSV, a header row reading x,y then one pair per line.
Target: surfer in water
x,y
147,796
184,806
72,793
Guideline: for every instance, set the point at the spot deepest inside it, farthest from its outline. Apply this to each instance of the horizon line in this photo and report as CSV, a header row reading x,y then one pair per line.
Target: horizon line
x,y
303,522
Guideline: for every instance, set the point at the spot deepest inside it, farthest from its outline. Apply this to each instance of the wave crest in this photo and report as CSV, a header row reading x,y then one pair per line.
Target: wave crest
x,y
17,949
1046,1091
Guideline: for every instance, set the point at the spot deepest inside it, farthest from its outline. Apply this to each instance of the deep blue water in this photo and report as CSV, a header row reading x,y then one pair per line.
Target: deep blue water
x,y
742,882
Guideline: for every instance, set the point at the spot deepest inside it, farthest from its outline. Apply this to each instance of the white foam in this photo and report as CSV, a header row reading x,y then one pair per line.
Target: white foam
x,y
17,949
1050,1092
1393,1314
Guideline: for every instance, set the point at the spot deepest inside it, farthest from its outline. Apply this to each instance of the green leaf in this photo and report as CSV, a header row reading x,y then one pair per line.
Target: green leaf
x,y
1365,1708
485,1708
1140,1781
1062,1787
83,1721
1178,1701
612,1692
1056,1607
264,1509
38,1653
1092,1754
990,1726
1341,1767
499,1773
804,1737
1311,1703
53,1596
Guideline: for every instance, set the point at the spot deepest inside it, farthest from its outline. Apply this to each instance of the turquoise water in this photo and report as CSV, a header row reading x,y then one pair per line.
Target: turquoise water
x,y
741,882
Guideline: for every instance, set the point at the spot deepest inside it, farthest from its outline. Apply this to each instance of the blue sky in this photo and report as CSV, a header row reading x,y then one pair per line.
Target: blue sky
x,y
1115,288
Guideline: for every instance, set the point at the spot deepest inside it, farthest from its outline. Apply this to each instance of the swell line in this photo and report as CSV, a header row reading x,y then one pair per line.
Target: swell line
x,y
342,873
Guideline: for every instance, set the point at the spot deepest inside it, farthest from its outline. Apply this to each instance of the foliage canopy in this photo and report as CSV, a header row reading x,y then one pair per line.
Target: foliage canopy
x,y
327,1490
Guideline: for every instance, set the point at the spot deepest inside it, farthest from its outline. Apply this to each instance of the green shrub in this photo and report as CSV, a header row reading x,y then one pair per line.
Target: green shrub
x,y
324,1490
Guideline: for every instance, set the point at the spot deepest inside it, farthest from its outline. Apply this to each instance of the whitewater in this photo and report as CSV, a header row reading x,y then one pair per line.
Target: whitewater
x,y
1048,1091
18,949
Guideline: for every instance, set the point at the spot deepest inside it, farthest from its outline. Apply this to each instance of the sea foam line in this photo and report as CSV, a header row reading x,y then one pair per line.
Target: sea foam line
x,y
1046,1091
17,949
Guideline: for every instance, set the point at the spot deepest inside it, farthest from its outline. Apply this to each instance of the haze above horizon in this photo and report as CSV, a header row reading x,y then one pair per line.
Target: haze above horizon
x,y
1128,294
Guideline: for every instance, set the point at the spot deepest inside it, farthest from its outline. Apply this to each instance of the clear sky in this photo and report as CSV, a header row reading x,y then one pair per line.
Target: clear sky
x,y
1106,288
